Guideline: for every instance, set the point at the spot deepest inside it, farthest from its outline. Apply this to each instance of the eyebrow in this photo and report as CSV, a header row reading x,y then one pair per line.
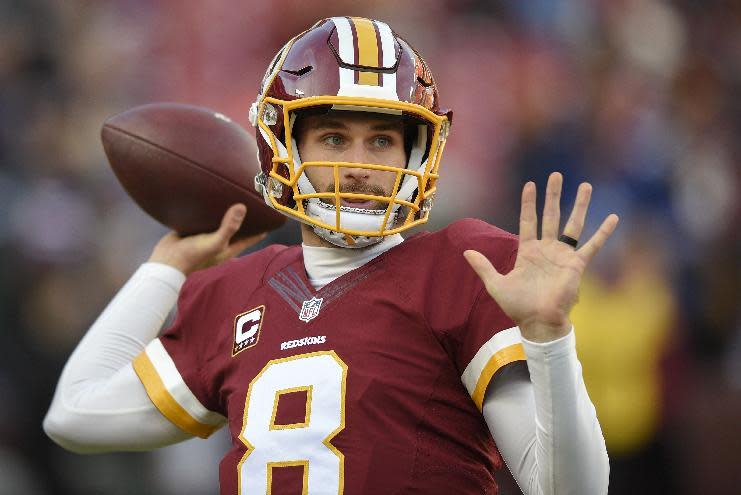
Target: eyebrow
x,y
324,124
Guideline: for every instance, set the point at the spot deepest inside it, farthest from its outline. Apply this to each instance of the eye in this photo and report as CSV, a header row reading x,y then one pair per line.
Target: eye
x,y
382,141
333,140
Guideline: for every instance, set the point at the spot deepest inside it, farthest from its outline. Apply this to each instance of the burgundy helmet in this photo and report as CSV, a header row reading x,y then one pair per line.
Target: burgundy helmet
x,y
361,65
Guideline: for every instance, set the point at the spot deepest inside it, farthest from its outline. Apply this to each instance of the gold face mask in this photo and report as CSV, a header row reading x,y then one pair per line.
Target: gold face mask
x,y
407,203
338,65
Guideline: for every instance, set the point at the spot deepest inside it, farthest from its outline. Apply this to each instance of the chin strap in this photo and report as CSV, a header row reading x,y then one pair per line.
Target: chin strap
x,y
345,240
350,218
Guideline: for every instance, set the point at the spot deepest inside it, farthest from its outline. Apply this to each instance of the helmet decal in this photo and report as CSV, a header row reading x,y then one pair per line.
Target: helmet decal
x,y
359,48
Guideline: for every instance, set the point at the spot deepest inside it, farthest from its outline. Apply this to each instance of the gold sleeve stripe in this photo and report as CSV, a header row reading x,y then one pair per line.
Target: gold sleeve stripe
x,y
367,50
491,356
510,354
166,404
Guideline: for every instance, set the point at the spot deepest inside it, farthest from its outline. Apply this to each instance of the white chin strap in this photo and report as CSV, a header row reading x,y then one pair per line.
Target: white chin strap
x,y
350,218
356,218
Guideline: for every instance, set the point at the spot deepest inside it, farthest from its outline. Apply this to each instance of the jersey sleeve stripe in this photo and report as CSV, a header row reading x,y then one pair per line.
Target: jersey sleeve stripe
x,y
171,395
503,348
508,355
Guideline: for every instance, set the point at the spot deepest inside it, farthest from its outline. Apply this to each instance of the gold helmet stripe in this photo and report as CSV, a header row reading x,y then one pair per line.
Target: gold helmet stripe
x,y
367,50
364,42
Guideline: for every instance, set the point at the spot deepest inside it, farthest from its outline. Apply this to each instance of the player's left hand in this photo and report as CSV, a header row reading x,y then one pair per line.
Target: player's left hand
x,y
539,292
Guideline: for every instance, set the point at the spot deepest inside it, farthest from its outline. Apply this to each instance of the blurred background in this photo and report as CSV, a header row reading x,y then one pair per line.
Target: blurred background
x,y
640,97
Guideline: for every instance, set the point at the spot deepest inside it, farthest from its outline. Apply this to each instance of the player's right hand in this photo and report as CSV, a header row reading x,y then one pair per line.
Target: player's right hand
x,y
199,251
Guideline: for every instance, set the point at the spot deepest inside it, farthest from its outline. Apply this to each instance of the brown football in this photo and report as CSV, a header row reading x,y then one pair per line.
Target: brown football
x,y
185,165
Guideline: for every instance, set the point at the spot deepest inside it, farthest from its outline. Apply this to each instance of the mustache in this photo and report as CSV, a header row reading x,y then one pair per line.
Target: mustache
x,y
359,188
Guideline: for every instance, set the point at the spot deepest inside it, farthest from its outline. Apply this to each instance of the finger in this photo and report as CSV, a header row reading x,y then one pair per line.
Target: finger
x,y
575,224
484,269
588,250
528,217
552,208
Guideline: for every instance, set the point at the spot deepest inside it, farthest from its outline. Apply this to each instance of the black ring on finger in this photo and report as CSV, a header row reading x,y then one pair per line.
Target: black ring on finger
x,y
568,240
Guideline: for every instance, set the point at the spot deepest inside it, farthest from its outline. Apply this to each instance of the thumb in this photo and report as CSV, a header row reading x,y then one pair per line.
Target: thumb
x,y
230,222
484,269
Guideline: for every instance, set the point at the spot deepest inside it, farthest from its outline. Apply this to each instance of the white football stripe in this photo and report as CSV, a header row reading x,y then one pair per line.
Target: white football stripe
x,y
387,90
389,58
499,341
347,51
364,91
177,387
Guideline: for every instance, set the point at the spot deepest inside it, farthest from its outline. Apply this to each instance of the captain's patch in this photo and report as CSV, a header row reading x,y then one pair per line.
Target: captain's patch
x,y
247,327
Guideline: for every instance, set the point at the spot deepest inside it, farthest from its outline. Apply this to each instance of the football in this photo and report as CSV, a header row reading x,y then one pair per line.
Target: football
x,y
185,165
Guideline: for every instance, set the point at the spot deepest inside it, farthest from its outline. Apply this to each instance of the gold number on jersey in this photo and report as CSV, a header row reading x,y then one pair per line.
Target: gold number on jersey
x,y
322,375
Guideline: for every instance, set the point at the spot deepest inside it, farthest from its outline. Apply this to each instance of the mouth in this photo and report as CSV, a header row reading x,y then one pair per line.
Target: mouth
x,y
361,188
365,204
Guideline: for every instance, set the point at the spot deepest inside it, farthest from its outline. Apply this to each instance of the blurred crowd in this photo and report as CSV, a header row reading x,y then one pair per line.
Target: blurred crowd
x,y
640,97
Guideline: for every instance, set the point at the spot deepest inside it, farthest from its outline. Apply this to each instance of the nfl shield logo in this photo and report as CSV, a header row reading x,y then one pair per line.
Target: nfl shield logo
x,y
310,309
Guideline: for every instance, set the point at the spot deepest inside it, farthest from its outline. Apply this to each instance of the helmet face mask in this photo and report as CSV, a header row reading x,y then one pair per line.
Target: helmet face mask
x,y
313,74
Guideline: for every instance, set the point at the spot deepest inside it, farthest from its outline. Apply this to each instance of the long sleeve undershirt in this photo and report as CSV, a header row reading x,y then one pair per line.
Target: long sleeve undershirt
x,y
540,415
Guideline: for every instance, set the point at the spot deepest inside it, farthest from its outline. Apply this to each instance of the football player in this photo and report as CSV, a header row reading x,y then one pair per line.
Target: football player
x,y
359,362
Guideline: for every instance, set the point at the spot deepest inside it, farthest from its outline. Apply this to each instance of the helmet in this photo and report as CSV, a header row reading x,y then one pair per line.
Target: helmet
x,y
356,64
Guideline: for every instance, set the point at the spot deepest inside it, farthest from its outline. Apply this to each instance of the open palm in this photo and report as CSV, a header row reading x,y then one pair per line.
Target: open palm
x,y
539,292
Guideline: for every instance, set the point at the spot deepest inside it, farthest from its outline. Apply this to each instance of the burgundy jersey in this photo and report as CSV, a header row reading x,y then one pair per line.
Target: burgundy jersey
x,y
372,385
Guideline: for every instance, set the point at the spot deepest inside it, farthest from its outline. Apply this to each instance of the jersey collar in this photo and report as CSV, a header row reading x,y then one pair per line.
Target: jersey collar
x,y
324,264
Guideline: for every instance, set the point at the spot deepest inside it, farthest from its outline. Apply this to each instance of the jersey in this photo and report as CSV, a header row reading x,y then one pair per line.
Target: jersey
x,y
373,384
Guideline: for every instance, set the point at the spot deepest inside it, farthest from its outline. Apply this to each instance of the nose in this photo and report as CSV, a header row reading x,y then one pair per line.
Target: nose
x,y
355,173
356,154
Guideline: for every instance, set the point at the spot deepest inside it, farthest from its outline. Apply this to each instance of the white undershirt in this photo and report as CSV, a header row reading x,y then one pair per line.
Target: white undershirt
x,y
541,417
323,264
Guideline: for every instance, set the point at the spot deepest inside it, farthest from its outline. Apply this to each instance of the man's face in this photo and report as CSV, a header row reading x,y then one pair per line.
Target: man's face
x,y
357,137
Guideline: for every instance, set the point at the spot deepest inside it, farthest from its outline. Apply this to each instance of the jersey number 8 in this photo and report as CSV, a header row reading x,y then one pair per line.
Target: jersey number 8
x,y
323,376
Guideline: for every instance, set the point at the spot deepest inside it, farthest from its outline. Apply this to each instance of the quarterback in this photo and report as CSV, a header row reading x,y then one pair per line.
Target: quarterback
x,y
359,362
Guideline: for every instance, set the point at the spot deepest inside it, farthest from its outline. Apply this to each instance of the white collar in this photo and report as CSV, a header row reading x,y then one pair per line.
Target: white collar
x,y
324,264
